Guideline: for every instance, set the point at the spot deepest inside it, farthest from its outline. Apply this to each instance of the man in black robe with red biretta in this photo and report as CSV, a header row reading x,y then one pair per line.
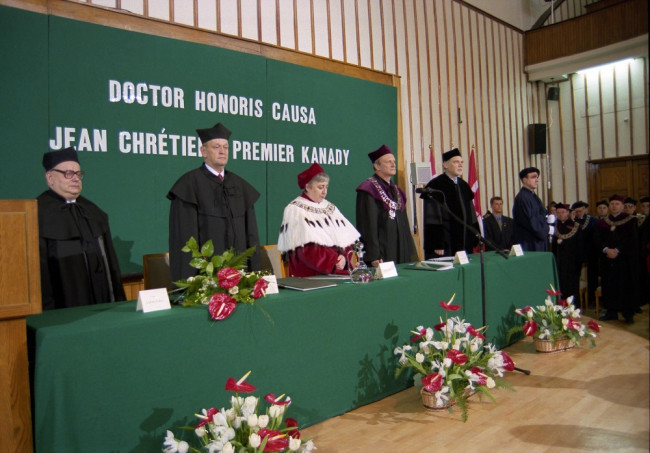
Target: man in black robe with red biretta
x,y
211,203
444,235
381,214
616,239
78,263
567,246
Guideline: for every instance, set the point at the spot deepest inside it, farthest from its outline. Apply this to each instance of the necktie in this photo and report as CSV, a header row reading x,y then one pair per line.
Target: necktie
x,y
500,222
220,175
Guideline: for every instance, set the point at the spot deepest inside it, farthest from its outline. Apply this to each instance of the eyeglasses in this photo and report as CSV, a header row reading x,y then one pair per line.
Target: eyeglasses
x,y
68,174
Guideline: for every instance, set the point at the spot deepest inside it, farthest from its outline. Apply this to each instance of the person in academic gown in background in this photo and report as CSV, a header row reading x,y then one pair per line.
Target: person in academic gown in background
x,y
567,246
314,235
616,238
444,235
529,214
211,203
381,214
78,262
588,227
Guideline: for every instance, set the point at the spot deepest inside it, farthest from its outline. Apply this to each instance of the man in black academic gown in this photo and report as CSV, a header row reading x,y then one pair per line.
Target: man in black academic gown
x,y
78,262
529,214
567,246
497,227
616,238
444,235
588,227
211,202
381,214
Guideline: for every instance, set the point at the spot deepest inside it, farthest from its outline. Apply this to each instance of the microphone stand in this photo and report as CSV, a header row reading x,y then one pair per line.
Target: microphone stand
x,y
481,241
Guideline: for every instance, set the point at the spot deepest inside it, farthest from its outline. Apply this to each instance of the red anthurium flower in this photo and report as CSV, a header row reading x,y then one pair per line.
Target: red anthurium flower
x,y
472,331
432,382
271,398
228,277
482,377
456,356
508,364
593,325
259,289
573,324
292,423
418,335
530,327
208,417
277,441
563,303
439,327
448,305
523,311
221,306
553,292
240,385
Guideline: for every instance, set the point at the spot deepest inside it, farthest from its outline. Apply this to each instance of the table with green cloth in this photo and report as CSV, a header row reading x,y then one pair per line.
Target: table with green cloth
x,y
107,378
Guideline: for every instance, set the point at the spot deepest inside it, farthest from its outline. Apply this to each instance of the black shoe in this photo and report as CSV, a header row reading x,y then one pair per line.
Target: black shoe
x,y
609,317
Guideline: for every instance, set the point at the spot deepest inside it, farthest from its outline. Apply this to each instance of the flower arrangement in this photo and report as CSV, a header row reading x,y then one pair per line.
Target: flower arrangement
x,y
222,282
240,429
453,361
555,321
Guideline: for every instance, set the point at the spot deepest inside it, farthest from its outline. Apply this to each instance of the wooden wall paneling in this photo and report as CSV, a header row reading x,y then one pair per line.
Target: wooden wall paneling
x,y
641,178
411,81
608,112
336,37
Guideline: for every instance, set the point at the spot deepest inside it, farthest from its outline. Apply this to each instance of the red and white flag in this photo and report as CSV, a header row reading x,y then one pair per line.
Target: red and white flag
x,y
472,180
432,160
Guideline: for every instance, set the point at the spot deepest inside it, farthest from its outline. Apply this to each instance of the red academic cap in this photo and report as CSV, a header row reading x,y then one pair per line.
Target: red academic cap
x,y
383,149
308,175
620,198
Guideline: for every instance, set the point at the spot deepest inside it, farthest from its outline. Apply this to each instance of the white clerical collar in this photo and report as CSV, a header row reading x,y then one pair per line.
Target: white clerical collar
x,y
71,201
215,172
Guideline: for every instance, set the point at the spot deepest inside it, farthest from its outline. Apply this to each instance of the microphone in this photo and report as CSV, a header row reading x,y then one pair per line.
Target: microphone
x,y
429,193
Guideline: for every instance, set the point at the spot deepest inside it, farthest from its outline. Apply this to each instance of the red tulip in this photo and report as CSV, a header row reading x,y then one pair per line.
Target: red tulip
x,y
593,325
530,327
259,289
228,277
432,382
472,331
292,423
221,306
240,385
456,356
419,335
277,441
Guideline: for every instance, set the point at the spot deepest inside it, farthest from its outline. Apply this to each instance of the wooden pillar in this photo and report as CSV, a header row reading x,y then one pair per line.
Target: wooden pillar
x,y
20,296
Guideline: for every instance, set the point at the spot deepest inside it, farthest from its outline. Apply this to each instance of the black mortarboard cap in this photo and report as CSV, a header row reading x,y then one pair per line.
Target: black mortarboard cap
x,y
449,154
526,171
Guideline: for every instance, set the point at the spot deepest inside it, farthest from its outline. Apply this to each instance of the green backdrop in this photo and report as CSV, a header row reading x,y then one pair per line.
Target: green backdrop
x,y
64,78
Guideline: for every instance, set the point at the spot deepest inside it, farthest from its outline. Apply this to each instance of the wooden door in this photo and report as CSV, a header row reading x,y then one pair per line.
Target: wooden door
x,y
626,176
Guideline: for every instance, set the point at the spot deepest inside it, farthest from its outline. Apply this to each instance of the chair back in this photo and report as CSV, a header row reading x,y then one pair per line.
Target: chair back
x,y
155,269
272,261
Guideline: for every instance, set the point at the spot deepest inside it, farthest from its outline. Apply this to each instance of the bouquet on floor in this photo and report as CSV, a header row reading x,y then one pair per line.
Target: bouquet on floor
x,y
453,361
556,319
244,427
222,281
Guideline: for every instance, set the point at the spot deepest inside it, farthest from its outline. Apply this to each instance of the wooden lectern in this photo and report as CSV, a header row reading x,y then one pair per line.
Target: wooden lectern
x,y
20,296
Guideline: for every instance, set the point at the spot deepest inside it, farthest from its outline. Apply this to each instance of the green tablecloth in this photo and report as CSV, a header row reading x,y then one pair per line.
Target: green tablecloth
x,y
108,378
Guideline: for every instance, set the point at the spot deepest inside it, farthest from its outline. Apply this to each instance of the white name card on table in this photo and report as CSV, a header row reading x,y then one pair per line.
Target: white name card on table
x,y
153,300
516,250
386,270
461,258
273,284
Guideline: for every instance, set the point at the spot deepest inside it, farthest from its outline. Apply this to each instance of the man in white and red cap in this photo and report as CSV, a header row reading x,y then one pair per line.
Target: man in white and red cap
x,y
211,203
568,247
381,214
315,236
78,262
616,238
444,235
